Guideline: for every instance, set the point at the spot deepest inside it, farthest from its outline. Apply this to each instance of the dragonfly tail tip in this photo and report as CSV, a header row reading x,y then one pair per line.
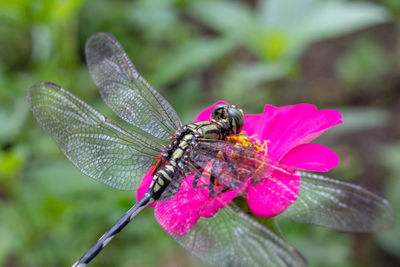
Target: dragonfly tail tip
x,y
79,264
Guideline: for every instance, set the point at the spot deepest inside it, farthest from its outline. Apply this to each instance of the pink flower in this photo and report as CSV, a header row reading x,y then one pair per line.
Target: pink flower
x,y
288,131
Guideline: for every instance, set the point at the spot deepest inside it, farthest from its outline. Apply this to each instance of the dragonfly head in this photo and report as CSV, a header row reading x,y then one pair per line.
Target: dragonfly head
x,y
231,115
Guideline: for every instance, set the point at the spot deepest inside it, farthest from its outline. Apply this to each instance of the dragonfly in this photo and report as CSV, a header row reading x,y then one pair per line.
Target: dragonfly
x,y
118,155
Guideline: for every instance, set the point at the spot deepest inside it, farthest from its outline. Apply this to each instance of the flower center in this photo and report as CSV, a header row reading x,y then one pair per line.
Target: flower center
x,y
245,141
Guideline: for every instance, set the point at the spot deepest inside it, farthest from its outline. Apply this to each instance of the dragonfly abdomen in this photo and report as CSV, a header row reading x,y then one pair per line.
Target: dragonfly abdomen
x,y
161,180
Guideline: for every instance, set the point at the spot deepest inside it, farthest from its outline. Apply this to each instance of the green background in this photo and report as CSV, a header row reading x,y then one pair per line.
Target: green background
x,y
332,53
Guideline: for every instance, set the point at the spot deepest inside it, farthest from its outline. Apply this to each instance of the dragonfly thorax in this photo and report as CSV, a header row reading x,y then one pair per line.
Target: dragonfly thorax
x,y
226,120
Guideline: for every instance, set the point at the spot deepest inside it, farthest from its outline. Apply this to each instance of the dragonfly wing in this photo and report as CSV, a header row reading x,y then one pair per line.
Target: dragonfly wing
x,y
339,205
232,238
233,165
96,145
322,201
124,89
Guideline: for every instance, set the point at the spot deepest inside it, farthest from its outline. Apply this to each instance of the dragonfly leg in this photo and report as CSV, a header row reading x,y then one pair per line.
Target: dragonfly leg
x,y
241,177
229,162
198,170
195,183
213,183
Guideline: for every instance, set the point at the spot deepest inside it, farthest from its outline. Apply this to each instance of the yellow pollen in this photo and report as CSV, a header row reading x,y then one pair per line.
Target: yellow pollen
x,y
243,140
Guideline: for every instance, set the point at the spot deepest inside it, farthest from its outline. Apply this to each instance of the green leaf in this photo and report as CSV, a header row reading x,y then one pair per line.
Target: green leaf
x,y
284,28
12,122
332,18
241,81
191,56
12,161
232,18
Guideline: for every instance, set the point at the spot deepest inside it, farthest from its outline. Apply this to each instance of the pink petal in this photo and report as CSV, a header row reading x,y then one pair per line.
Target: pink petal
x,y
206,114
178,215
289,126
312,157
273,195
252,124
144,185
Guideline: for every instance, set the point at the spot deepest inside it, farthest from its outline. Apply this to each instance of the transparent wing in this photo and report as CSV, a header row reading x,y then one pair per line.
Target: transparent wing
x,y
93,143
340,205
232,165
231,238
322,201
124,89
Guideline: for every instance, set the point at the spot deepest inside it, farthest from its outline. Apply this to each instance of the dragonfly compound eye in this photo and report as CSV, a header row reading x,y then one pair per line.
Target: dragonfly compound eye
x,y
236,119
220,112
232,115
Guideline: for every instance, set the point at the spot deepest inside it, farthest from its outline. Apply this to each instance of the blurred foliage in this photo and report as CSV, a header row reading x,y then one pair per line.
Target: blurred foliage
x,y
363,63
336,53
277,33
390,159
